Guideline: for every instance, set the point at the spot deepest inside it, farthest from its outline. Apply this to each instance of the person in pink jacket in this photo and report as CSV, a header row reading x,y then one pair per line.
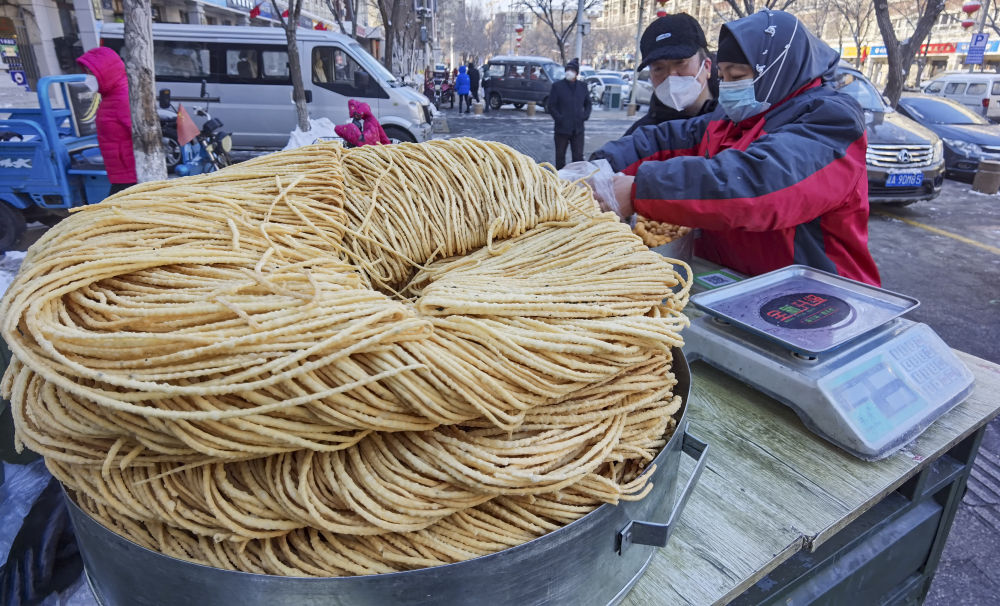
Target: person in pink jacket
x,y
114,122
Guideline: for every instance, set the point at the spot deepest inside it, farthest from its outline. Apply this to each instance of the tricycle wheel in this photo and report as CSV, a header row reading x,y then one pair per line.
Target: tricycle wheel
x,y
11,226
171,148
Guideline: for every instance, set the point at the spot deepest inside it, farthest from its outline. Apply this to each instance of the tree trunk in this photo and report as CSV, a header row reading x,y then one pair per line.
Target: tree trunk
x,y
298,87
900,56
291,24
147,140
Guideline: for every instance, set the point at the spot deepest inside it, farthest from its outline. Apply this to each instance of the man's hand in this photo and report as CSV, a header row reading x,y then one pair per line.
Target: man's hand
x,y
623,194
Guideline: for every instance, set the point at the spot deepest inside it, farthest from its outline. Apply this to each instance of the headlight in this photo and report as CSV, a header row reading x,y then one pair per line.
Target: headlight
x,y
416,112
227,144
969,150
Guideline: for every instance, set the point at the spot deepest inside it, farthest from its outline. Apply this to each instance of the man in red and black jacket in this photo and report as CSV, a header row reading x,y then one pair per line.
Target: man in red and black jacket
x,y
776,175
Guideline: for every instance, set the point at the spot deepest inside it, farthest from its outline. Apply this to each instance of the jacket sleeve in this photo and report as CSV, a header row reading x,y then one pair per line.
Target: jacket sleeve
x,y
586,105
555,103
786,177
656,142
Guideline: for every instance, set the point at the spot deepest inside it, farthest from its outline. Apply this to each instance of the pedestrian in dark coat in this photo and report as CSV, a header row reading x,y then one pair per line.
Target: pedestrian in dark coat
x,y
462,86
569,106
776,175
114,118
474,81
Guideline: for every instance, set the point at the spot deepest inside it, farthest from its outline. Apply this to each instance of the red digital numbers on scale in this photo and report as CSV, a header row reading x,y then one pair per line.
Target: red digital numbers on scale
x,y
804,310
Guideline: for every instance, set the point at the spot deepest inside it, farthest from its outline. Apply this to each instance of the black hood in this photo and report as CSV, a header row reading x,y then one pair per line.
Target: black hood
x,y
764,38
980,134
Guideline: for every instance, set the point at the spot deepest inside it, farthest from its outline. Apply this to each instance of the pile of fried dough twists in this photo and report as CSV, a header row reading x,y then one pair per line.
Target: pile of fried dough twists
x,y
329,362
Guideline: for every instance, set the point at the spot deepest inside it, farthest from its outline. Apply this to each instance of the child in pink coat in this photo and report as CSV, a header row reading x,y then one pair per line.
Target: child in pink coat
x,y
114,121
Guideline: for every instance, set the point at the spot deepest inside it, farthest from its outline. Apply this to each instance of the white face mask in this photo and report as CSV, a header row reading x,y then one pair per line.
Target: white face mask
x,y
570,76
679,92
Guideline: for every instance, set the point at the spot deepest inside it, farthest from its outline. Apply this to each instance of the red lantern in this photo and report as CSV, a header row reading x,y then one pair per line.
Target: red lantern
x,y
519,38
519,29
661,13
971,7
968,23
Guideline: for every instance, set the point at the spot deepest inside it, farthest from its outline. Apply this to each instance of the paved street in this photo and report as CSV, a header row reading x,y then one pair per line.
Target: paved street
x,y
946,253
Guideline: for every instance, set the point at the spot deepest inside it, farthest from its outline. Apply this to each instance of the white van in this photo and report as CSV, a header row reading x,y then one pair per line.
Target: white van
x,y
976,91
247,68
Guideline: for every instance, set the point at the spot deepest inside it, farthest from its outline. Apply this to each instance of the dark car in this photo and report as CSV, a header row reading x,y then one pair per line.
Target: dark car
x,y
520,80
905,159
968,137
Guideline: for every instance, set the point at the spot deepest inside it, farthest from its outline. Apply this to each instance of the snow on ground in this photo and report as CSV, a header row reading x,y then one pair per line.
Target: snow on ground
x,y
10,262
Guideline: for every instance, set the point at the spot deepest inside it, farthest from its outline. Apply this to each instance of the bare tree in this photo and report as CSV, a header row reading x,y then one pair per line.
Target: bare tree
x,y
473,38
900,55
857,20
559,16
345,9
737,9
290,21
147,139
402,34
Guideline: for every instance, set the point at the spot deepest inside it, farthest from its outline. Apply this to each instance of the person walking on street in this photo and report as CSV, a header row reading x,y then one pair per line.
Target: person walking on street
x,y
114,118
683,73
474,81
569,106
462,89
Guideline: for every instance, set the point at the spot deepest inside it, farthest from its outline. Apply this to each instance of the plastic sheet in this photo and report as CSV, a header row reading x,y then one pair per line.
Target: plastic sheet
x,y
320,129
599,176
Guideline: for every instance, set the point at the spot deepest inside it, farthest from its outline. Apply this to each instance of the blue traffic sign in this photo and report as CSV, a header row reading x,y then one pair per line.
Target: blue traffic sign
x,y
19,77
977,48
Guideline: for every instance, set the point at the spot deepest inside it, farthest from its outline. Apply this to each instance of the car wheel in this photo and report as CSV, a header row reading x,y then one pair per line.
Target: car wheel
x,y
171,148
12,225
399,135
495,101
518,105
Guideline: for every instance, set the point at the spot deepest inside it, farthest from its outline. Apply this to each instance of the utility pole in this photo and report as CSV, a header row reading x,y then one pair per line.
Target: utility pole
x,y
635,65
578,49
982,24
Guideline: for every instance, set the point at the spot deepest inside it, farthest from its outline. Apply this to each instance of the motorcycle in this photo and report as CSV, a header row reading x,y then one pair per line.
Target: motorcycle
x,y
439,90
209,151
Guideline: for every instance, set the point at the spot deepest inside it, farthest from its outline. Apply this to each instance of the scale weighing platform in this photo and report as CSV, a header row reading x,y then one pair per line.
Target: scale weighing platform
x,y
836,351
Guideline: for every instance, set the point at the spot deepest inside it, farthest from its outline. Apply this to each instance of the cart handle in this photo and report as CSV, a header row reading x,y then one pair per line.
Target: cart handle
x,y
652,533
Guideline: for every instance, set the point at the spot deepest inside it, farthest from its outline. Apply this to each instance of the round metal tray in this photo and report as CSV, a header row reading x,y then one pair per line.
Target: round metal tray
x,y
594,560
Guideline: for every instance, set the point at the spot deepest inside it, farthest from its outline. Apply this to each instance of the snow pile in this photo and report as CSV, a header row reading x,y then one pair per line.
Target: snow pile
x,y
10,263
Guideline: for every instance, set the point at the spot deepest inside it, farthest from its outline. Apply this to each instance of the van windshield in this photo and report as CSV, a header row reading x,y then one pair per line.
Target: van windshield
x,y
374,68
555,71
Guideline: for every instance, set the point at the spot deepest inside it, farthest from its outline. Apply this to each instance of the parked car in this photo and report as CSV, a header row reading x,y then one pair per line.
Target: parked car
x,y
644,88
520,80
979,92
247,69
598,83
587,71
905,159
968,137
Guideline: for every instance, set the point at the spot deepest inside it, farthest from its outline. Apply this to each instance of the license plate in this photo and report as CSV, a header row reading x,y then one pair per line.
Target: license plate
x,y
904,180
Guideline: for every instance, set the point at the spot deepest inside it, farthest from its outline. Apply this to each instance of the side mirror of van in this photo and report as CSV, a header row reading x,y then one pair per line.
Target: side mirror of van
x,y
204,88
309,96
164,98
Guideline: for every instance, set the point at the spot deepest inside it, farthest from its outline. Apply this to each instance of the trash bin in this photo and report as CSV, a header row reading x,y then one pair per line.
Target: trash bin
x,y
612,98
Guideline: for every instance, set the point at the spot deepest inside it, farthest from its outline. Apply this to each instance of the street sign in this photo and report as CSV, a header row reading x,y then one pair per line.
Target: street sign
x,y
977,48
19,77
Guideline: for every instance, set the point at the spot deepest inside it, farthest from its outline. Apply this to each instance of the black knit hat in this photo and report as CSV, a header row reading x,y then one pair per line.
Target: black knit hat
x,y
676,36
729,49
574,64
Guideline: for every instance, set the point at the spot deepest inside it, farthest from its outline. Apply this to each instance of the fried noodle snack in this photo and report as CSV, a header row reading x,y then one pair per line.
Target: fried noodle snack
x,y
335,362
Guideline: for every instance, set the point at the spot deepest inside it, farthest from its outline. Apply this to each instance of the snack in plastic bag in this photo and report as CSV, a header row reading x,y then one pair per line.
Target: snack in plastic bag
x,y
599,177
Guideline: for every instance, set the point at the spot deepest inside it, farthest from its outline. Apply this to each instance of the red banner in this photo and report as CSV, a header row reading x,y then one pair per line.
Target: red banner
x,y
943,48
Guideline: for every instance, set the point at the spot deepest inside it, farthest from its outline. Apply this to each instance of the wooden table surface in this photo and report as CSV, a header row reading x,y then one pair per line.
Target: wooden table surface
x,y
771,488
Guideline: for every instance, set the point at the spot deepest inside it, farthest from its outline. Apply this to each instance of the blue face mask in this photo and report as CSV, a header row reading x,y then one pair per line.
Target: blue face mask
x,y
738,100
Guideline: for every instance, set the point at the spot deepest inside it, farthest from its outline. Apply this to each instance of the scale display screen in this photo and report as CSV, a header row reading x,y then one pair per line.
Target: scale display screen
x,y
804,309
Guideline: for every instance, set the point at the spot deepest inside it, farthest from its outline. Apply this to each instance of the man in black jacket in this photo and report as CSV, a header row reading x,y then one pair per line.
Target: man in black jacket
x,y
569,105
474,81
683,74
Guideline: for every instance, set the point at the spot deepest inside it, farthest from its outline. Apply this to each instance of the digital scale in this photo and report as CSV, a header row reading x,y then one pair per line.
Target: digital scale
x,y
834,350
